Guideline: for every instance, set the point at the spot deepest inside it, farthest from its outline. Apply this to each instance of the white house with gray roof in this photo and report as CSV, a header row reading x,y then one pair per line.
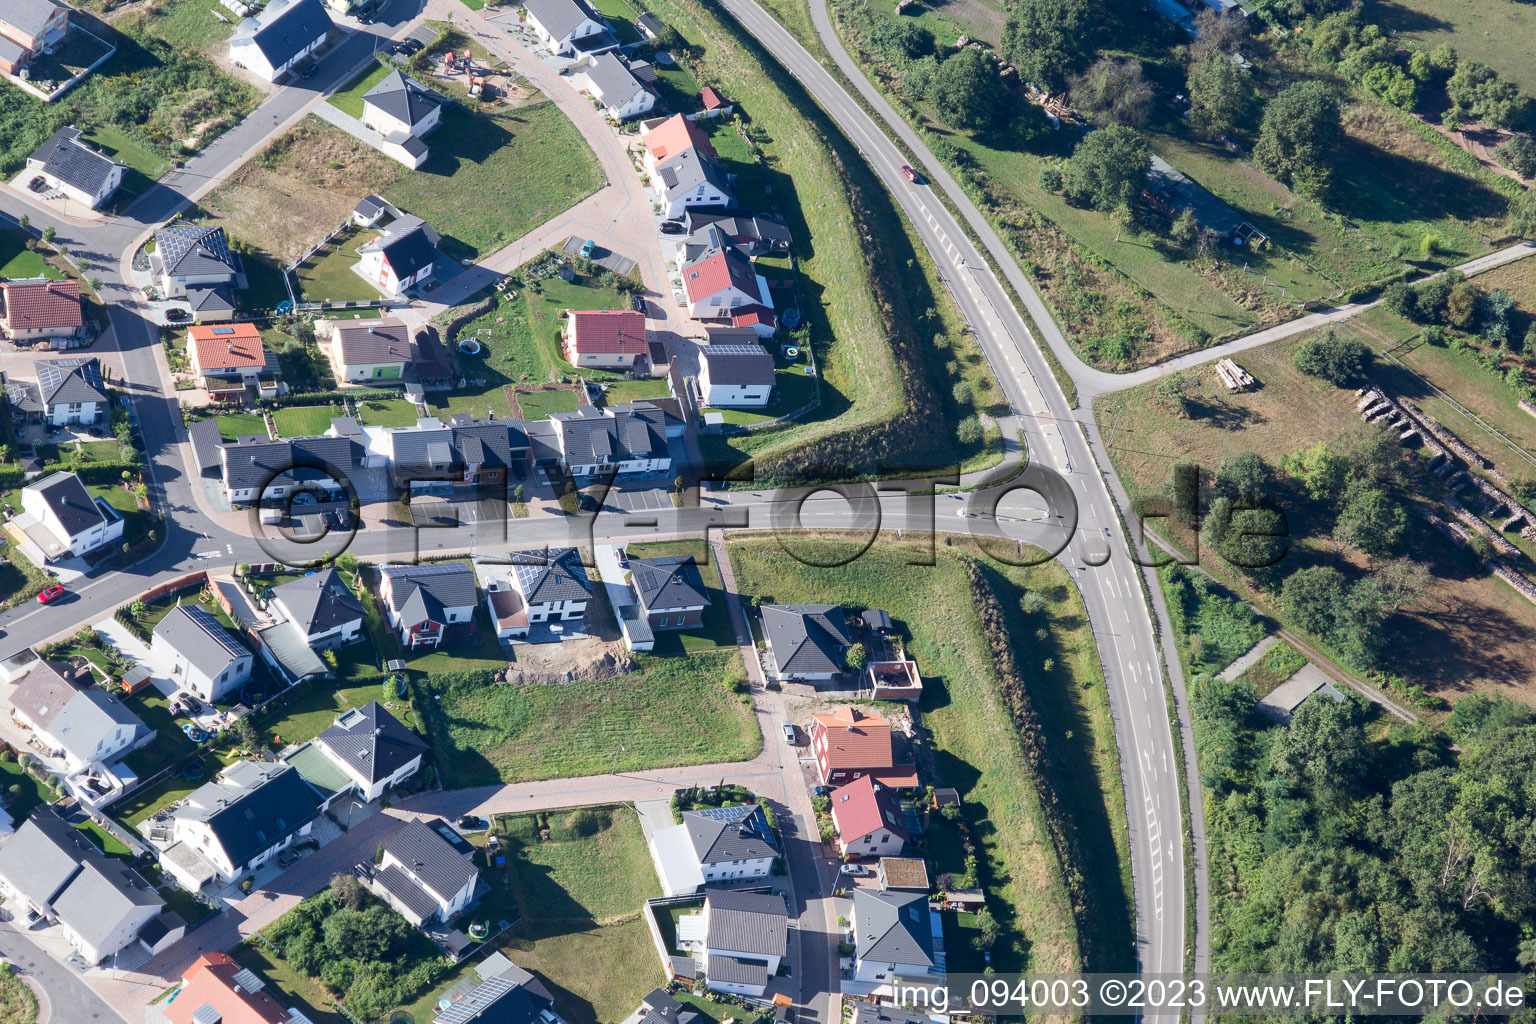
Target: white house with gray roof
x,y
372,749
713,845
894,937
568,27
70,166
200,653
280,38
671,591
421,601
72,718
72,390
427,872
625,439
191,260
403,111
735,376
553,585
608,79
234,824
61,519
745,938
691,179
322,607
50,868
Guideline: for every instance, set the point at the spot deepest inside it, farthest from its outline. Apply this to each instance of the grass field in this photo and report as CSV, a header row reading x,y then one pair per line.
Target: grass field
x,y
17,1003
136,520
349,99
303,420
976,744
396,412
562,956
328,276
622,17
17,261
674,711
594,868
238,424
1495,32
1279,663
126,149
316,706
621,391
530,157
537,405
29,792
185,24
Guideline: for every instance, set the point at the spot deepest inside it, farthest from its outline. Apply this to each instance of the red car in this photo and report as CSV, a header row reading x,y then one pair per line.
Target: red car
x,y
911,174
51,595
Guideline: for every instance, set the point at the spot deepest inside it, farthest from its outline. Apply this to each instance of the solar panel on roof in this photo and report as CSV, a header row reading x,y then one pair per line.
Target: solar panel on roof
x,y
207,1014
483,995
248,981
223,330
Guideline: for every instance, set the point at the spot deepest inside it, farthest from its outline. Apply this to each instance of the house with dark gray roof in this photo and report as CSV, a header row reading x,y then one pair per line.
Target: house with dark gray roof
x,y
400,257
609,80
50,868
29,27
487,453
61,519
567,27
189,257
650,26
806,642
691,178
73,719
403,111
626,440
745,939
72,390
422,601
757,232
373,749
427,872
322,607
735,376
231,826
258,469
881,1013
671,591
507,994
280,38
713,845
894,937
72,167
197,651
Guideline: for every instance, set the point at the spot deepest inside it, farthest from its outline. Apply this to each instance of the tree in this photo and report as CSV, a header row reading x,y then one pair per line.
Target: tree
x,y
1108,169
1370,521
1461,305
95,283
1321,469
1357,623
1243,477
1249,538
969,431
917,76
1220,98
25,222
856,657
347,891
1309,597
965,91
1184,231
1217,35
1393,85
1300,130
49,234
1519,155
1049,40
1477,93
1172,392
1401,580
1341,361
901,38
1114,89
1051,179
1323,748
1399,298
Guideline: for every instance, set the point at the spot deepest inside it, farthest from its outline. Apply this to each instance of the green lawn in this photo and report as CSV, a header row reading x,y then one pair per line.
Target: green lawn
x,y
29,792
673,711
312,707
564,956
136,520
530,158
264,282
16,261
349,99
621,16
105,841
621,391
144,164
792,389
594,867
1494,32
239,424
975,742
393,412
190,24
537,405
328,275
303,420
677,88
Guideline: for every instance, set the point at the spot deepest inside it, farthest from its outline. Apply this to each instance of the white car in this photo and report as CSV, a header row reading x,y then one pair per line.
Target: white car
x,y
857,870
789,732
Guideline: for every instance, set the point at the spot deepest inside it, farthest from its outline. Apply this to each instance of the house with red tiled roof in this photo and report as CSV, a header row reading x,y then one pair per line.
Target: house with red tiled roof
x,y
850,744
671,137
35,308
216,988
226,350
720,281
868,819
606,339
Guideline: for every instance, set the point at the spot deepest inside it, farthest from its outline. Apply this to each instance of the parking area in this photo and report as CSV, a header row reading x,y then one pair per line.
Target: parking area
x,y
605,258
640,498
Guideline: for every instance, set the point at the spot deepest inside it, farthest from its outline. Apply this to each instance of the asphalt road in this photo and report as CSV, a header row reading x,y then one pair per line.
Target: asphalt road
x,y
1097,555
69,998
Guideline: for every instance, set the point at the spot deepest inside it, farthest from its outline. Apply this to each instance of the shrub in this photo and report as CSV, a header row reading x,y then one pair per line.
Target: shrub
x,y
1339,360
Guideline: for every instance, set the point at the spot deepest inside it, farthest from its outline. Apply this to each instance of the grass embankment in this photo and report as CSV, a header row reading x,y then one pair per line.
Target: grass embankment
x,y
1020,726
873,299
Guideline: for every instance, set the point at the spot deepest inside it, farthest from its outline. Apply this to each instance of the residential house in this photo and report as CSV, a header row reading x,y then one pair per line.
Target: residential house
x,y
507,994
868,819
893,937
552,587
258,469
427,872
806,642
373,208
202,655
884,1013
403,111
713,845
656,1006
67,164
735,376
721,281
278,40
28,28
750,234
609,80
432,457
760,320
72,718
849,744
229,827
399,257
62,520
229,351
35,309
671,591
373,749
691,178
322,607
626,440
49,868
196,261
368,350
72,390
745,940
902,873
605,339
25,400
568,27
666,138
217,990
421,601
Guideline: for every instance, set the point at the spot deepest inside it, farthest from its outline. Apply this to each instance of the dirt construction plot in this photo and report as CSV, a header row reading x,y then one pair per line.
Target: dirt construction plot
x,y
568,661
299,188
